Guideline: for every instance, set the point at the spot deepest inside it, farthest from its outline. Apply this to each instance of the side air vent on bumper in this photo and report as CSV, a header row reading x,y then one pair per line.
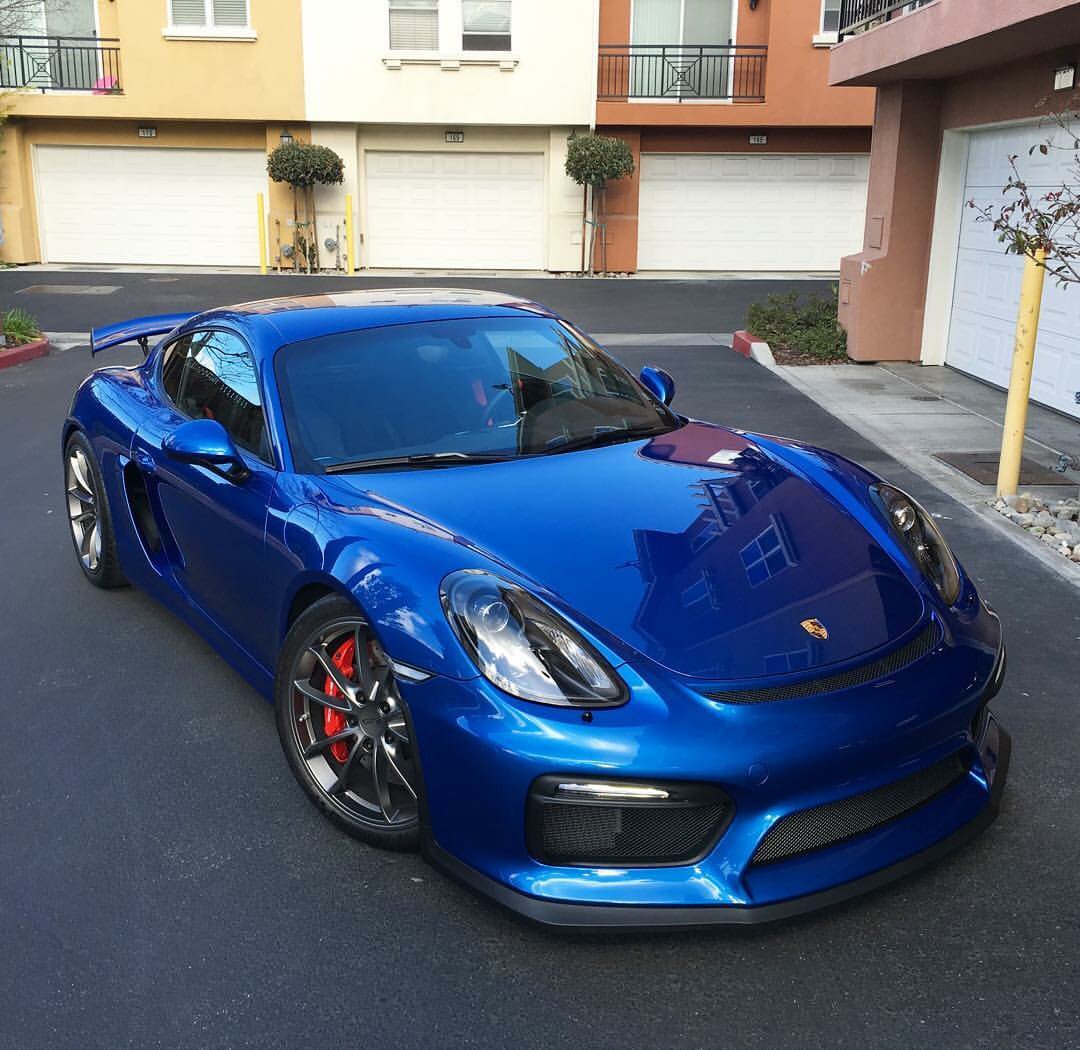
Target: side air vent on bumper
x,y
821,826
923,643
582,822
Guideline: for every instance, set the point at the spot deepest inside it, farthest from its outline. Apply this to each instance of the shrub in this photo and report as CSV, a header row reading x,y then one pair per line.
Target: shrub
x,y
301,165
19,327
594,159
803,326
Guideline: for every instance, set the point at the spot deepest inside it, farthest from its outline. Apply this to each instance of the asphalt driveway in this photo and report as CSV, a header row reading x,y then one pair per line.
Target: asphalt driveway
x,y
163,883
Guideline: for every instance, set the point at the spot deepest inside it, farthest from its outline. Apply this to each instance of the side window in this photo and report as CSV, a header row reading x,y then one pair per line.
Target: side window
x,y
216,379
172,367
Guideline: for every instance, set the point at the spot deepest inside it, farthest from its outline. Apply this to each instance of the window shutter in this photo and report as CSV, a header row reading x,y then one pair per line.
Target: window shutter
x,y
188,12
486,16
230,12
414,25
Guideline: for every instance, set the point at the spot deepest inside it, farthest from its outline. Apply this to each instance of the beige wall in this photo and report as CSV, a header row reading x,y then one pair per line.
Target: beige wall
x,y
169,79
352,142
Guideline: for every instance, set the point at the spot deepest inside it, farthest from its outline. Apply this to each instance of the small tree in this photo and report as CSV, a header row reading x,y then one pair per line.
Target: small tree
x,y
304,166
1028,221
592,161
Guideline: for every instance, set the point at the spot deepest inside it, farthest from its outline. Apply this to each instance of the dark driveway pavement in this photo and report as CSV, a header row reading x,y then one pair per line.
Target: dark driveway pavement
x,y
163,883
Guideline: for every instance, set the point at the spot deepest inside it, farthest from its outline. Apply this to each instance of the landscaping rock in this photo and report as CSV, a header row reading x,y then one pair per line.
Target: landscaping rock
x,y
1057,525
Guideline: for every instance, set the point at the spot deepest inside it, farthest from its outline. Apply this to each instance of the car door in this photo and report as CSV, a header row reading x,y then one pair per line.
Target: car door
x,y
213,527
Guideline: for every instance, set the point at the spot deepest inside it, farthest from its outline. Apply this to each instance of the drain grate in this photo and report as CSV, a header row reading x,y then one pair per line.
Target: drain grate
x,y
69,289
983,468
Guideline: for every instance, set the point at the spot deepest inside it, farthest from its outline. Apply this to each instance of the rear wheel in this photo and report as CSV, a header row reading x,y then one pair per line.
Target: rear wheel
x,y
344,727
88,514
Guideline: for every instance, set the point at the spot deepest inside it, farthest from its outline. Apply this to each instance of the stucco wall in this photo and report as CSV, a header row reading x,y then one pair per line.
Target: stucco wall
x,y
548,79
169,79
563,249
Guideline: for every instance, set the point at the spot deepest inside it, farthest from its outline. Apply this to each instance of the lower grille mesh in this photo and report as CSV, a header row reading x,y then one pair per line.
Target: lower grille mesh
x,y
641,834
918,647
821,826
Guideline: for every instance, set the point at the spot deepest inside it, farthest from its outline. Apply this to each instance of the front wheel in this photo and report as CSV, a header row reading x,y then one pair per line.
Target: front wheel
x,y
88,514
344,727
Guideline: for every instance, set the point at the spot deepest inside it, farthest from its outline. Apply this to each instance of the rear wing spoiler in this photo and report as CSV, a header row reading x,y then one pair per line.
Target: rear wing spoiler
x,y
139,330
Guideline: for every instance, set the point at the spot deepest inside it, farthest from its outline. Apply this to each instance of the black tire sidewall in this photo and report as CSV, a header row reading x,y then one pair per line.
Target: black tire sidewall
x,y
318,616
108,573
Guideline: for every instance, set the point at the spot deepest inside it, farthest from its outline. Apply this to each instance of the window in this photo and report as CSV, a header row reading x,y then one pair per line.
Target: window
x,y
485,25
209,14
830,22
211,375
414,24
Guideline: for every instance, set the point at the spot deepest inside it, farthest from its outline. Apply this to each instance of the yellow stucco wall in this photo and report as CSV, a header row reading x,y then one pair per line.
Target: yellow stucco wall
x,y
260,79
18,208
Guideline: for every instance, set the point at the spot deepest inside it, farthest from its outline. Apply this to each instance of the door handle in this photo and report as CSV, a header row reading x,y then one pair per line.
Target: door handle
x,y
145,461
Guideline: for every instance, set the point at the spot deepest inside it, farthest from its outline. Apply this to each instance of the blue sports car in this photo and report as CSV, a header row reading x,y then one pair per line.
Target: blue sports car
x,y
604,663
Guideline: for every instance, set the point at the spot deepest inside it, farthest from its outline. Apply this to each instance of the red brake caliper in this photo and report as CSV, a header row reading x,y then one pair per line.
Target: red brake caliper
x,y
334,721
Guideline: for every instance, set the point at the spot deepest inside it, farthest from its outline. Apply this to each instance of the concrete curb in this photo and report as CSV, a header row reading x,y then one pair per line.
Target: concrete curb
x,y
748,345
17,355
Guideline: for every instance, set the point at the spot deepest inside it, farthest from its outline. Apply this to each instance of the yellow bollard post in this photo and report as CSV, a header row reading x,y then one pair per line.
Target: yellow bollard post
x,y
261,217
1016,406
350,252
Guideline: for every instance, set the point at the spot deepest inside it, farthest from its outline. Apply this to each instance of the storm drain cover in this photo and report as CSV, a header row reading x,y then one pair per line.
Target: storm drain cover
x,y
71,289
983,468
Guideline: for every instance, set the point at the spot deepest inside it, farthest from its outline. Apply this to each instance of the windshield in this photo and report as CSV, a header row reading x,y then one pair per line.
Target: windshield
x,y
447,392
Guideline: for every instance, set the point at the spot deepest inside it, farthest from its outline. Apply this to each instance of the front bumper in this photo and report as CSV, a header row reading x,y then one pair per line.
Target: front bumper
x,y
482,752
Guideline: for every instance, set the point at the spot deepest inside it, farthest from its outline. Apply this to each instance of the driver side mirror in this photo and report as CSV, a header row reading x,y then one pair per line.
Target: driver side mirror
x,y
207,443
659,383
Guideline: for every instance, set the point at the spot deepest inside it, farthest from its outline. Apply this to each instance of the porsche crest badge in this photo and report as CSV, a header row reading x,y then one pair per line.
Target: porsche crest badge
x,y
815,628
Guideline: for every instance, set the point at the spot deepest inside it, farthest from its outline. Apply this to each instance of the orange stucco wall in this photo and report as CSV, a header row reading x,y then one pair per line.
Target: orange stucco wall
x,y
796,79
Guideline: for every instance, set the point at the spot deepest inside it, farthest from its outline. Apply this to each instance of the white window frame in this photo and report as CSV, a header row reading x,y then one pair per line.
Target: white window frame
x,y
483,51
823,38
449,54
440,28
209,31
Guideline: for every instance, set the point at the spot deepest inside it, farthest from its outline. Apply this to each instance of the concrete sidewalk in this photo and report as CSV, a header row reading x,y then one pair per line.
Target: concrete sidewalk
x,y
916,412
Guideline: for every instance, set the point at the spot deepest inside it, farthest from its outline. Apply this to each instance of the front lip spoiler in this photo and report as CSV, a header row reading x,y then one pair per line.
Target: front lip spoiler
x,y
646,917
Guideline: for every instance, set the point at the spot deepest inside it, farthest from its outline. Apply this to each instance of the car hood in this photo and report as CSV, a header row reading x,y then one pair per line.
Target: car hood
x,y
696,548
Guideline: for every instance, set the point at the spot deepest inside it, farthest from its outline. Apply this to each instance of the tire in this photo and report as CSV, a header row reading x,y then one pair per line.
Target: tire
x,y
349,748
89,515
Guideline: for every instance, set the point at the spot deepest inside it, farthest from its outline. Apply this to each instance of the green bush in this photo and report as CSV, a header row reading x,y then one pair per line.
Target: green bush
x,y
800,324
594,159
19,327
301,165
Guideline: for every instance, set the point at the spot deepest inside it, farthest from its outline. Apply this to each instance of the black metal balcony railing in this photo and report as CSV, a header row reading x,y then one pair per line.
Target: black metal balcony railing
x,y
56,63
856,16
723,72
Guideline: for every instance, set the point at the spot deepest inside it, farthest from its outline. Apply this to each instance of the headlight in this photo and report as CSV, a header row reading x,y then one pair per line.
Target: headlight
x,y
524,647
922,539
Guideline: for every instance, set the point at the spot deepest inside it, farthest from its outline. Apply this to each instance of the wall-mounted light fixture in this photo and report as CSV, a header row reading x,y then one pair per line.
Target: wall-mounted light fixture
x,y
286,138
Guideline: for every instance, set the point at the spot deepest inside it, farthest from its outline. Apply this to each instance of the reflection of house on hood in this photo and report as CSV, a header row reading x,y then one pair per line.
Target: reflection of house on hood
x,y
748,569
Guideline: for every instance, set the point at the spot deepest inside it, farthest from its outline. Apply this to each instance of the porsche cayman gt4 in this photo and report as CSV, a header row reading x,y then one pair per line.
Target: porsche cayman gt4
x,y
607,664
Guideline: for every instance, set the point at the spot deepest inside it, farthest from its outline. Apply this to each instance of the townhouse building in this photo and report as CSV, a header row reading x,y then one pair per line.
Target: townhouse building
x,y
962,88
138,131
746,158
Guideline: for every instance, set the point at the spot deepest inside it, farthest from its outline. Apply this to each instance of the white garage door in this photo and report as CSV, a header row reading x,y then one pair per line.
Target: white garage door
x,y
706,211
184,207
459,210
987,289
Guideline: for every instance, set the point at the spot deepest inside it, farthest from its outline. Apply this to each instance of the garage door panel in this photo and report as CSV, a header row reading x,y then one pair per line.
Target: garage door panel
x,y
455,210
749,212
986,291
149,206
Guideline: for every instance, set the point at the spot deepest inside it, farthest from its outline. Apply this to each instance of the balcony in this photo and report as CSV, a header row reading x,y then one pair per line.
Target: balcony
x,y
856,16
54,63
681,72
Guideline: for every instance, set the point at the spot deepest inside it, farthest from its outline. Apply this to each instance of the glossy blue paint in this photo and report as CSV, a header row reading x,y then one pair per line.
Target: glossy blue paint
x,y
688,560
659,383
110,335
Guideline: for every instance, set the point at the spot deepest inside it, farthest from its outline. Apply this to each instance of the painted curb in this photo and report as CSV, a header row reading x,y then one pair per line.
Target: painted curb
x,y
16,355
750,346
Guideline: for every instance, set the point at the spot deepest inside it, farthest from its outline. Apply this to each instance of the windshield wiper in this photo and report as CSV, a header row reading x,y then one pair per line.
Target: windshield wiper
x,y
422,459
605,437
